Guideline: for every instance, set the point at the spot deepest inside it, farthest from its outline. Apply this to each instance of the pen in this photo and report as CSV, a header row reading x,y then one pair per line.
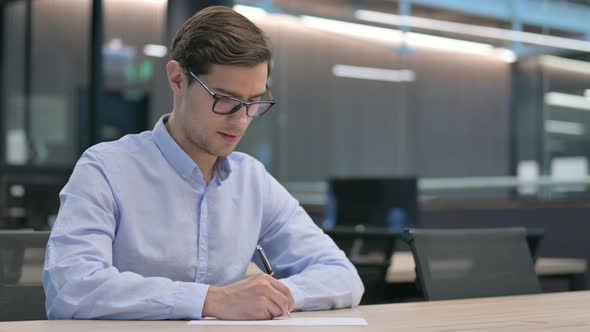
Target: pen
x,y
267,266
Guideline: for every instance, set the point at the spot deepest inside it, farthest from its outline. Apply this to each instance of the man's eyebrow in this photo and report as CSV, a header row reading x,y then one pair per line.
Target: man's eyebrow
x,y
237,95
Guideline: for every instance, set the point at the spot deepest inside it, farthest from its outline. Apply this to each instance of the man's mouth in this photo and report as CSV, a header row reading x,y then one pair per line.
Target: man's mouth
x,y
229,137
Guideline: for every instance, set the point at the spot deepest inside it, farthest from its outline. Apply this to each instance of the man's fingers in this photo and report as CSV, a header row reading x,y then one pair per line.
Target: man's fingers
x,y
274,308
280,300
281,287
285,291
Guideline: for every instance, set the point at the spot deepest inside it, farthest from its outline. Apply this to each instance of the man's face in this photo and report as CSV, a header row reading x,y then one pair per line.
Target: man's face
x,y
213,133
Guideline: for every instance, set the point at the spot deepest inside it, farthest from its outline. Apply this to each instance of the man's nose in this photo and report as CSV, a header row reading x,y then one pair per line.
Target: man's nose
x,y
240,115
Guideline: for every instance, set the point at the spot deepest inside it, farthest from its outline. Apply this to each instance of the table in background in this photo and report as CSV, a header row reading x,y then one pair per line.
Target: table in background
x,y
402,269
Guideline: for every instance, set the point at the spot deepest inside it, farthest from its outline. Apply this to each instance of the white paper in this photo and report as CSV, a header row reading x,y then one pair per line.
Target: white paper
x,y
307,321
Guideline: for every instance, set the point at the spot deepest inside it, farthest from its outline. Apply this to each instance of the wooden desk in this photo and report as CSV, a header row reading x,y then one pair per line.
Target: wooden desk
x,y
555,312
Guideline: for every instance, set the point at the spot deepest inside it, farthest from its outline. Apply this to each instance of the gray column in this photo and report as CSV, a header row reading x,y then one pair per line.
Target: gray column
x,y
177,13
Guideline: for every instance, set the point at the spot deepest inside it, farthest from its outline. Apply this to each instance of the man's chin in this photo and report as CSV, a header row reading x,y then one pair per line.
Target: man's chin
x,y
222,153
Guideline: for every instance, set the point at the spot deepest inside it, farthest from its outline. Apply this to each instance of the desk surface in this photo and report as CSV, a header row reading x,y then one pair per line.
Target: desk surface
x,y
554,311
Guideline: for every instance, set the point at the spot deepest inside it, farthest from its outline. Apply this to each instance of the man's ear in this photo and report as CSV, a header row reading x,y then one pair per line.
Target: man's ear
x,y
176,77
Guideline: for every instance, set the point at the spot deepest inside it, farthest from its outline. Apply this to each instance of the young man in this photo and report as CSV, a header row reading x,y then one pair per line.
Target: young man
x,y
163,224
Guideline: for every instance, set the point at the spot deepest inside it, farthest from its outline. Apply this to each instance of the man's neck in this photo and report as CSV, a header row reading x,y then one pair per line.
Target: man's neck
x,y
204,161
206,165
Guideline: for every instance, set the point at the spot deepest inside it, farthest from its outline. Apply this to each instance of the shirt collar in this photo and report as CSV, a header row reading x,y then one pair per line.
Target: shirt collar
x,y
180,161
223,168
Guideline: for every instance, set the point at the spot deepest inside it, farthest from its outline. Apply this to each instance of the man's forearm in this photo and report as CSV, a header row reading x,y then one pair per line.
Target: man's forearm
x,y
328,285
110,294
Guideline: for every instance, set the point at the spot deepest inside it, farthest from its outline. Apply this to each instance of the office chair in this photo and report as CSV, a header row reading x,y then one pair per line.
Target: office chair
x,y
467,263
20,301
370,251
534,236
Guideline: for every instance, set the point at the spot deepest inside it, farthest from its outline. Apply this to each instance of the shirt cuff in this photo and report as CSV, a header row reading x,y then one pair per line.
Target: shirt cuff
x,y
298,295
190,299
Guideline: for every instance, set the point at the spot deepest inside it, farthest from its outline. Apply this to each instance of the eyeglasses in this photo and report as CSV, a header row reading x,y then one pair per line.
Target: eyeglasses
x,y
227,105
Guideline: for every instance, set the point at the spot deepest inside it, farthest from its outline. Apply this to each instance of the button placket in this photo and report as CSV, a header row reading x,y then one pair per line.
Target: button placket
x,y
203,245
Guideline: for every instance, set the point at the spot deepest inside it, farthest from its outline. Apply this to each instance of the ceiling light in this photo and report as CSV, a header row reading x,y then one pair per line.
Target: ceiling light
x,y
353,29
565,64
568,101
250,12
474,30
376,74
564,127
158,51
391,36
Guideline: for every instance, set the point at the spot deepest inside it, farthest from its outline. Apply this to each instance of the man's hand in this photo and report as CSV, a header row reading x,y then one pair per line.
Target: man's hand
x,y
257,297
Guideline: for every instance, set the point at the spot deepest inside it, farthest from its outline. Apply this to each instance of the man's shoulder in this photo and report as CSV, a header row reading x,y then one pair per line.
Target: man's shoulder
x,y
127,146
128,143
244,161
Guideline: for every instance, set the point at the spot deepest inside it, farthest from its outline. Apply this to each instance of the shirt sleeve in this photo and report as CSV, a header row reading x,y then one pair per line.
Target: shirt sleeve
x,y
304,258
79,278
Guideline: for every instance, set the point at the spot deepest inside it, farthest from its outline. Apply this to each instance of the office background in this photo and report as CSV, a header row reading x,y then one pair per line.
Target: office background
x,y
485,102
461,106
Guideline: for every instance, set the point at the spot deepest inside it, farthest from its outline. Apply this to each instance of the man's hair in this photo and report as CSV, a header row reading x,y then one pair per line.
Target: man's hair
x,y
219,35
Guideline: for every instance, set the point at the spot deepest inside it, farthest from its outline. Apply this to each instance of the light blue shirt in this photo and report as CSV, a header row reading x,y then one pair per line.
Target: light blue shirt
x,y
139,235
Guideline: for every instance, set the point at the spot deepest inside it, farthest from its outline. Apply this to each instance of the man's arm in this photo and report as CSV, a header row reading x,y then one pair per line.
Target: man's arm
x,y
79,278
308,262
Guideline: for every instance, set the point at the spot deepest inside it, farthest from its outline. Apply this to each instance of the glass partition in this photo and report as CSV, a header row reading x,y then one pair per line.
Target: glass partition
x,y
13,82
45,68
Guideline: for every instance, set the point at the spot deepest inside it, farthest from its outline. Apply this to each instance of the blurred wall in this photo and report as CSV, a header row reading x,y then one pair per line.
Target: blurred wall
x,y
453,120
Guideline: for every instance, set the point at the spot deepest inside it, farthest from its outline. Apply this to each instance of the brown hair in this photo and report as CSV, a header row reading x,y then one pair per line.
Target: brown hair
x,y
219,35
